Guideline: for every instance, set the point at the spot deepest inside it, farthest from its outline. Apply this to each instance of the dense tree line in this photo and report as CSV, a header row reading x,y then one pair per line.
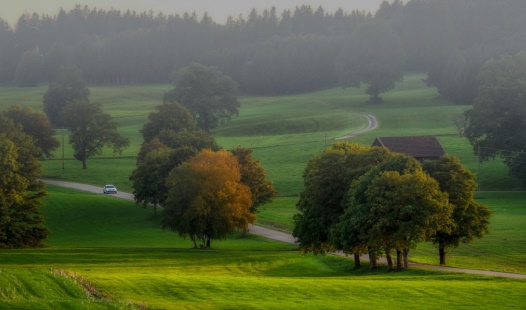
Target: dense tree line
x,y
266,52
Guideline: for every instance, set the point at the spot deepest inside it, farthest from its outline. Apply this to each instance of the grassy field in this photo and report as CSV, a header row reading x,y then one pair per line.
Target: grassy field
x,y
130,263
118,247
285,132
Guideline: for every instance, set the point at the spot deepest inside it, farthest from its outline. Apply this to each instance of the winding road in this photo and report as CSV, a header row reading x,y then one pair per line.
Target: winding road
x,y
372,122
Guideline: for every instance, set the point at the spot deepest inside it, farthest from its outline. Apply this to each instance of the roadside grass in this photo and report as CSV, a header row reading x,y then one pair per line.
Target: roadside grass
x,y
118,249
278,214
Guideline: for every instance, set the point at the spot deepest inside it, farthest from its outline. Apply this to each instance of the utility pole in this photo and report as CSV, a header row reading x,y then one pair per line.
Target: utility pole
x,y
478,169
62,147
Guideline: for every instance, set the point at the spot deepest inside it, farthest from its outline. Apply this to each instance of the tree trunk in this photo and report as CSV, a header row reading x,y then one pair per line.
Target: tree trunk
x,y
372,259
84,164
406,259
208,241
194,239
356,260
155,209
389,260
442,254
398,260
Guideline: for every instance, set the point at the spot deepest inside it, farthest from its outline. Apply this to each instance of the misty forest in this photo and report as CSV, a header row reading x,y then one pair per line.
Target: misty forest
x,y
266,52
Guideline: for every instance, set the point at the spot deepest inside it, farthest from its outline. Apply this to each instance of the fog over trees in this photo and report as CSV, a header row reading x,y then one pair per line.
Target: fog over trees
x,y
266,52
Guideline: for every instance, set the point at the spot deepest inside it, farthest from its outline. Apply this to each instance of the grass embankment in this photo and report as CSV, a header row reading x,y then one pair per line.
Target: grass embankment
x,y
119,250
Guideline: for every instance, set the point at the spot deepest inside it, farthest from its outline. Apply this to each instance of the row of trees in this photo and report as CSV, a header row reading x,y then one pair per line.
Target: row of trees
x,y
367,200
268,52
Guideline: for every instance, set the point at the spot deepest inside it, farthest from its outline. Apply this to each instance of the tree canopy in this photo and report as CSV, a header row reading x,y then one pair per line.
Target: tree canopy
x,y
393,206
149,177
171,137
66,89
206,199
91,130
254,176
168,116
210,95
21,222
469,219
497,121
36,125
327,179
361,200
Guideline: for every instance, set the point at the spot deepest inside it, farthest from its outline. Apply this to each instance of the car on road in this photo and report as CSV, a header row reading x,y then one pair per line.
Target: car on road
x,y
109,189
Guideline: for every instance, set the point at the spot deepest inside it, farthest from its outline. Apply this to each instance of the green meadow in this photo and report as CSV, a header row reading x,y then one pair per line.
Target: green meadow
x,y
284,132
116,249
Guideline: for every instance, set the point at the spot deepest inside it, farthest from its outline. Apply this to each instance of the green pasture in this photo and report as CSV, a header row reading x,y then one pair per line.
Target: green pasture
x,y
285,132
117,249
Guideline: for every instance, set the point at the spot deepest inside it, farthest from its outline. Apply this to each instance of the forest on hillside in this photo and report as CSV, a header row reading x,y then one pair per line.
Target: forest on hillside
x,y
266,52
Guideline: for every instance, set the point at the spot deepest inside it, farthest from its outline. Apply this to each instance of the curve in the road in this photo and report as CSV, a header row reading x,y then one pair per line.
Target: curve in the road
x,y
372,122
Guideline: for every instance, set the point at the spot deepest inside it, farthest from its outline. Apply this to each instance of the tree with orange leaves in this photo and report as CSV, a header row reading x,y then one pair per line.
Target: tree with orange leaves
x,y
206,199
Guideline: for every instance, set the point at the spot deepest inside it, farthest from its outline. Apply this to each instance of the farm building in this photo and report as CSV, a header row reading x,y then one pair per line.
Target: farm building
x,y
420,147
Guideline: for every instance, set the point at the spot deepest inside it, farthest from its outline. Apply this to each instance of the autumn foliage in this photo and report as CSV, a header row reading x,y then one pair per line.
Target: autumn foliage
x,y
206,199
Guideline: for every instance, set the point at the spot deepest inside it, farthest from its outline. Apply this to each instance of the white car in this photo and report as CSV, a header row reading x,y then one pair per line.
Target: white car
x,y
109,189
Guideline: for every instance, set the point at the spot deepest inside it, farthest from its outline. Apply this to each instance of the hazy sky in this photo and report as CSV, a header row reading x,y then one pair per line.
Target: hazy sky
x,y
10,10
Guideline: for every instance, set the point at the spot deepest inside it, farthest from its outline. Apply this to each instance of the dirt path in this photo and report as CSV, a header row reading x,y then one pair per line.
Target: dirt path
x,y
288,238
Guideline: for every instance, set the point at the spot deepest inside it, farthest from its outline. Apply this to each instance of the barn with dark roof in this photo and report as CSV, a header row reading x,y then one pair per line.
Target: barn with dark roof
x,y
420,147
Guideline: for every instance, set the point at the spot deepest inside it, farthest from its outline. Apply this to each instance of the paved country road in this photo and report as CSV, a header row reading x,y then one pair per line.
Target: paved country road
x,y
372,122
287,238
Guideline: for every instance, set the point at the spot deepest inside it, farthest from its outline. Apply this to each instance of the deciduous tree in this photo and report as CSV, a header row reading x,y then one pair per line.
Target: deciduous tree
x,y
66,89
327,179
210,95
393,207
469,219
149,177
36,125
168,116
91,130
254,176
21,222
171,137
206,199
497,121
407,209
